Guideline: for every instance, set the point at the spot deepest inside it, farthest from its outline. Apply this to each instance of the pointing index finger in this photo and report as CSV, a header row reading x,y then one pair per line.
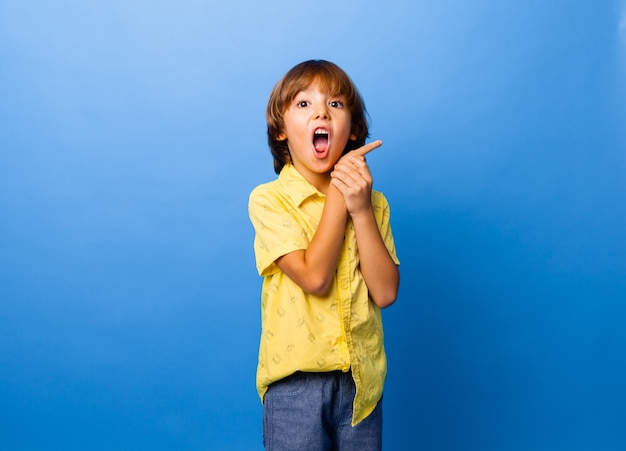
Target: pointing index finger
x,y
367,148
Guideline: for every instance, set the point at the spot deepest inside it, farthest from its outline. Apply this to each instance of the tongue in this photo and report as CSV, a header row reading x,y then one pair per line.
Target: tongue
x,y
320,143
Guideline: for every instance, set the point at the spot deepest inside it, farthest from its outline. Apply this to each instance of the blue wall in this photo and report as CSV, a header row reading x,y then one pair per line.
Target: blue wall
x,y
132,132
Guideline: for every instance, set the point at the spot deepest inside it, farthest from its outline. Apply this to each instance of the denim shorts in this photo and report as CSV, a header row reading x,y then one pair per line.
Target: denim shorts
x,y
313,411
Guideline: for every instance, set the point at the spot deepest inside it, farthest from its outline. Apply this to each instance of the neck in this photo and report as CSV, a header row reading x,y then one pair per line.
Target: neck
x,y
320,181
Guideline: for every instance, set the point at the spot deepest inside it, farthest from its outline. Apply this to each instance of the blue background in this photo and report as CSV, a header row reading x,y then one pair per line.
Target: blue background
x,y
131,133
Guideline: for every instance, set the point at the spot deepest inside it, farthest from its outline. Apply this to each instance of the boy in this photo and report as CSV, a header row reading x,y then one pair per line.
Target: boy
x,y
324,246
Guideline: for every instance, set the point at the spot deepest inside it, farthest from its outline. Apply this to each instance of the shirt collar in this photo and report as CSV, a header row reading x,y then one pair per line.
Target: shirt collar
x,y
296,186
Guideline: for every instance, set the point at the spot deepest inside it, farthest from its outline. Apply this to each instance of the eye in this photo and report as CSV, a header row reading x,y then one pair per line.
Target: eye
x,y
302,103
336,104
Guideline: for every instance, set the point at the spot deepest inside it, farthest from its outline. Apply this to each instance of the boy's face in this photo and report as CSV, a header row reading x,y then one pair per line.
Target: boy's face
x,y
317,128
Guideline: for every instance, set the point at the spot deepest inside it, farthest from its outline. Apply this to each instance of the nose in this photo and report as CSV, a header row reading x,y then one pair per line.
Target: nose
x,y
321,112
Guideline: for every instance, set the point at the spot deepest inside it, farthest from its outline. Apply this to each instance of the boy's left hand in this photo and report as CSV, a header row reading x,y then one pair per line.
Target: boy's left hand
x,y
353,179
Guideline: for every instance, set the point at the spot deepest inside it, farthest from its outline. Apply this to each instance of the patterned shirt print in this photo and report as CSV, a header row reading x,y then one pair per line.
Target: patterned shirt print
x,y
302,332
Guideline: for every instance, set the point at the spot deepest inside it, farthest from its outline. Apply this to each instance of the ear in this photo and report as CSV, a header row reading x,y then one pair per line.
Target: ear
x,y
281,137
352,137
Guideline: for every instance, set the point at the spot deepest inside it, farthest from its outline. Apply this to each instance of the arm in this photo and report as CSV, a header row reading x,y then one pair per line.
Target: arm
x,y
352,177
379,270
313,268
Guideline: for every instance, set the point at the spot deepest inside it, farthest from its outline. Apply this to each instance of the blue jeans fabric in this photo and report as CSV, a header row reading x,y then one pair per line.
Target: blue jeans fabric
x,y
313,412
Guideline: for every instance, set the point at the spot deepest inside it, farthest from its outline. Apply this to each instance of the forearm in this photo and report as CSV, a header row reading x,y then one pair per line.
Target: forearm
x,y
377,267
313,269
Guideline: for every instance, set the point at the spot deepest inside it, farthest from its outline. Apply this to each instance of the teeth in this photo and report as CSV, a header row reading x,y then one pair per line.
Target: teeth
x,y
321,132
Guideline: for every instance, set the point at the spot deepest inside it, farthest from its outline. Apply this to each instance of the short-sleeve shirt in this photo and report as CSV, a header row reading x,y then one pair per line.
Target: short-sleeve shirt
x,y
302,332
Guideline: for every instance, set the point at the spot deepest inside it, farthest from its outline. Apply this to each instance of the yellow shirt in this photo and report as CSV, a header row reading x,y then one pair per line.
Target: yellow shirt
x,y
302,332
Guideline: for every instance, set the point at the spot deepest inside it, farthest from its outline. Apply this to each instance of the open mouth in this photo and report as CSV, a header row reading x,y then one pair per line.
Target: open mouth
x,y
320,140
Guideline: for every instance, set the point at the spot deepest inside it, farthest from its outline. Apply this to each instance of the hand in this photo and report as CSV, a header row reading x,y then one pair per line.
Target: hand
x,y
367,148
352,178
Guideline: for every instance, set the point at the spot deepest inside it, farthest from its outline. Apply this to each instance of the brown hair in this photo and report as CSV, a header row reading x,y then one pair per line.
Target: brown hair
x,y
330,77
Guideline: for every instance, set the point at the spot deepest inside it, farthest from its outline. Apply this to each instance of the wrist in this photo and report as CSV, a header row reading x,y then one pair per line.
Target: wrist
x,y
363,214
335,197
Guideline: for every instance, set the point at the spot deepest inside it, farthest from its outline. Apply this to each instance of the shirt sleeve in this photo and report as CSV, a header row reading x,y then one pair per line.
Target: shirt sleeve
x,y
277,233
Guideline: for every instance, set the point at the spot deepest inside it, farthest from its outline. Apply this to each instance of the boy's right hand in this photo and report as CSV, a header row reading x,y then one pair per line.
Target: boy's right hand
x,y
352,178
